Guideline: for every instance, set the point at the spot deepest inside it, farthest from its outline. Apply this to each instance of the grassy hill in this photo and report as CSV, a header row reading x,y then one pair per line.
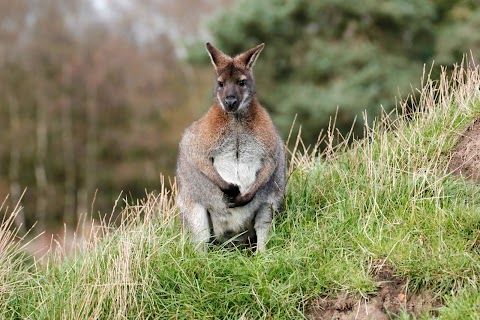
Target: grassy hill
x,y
382,220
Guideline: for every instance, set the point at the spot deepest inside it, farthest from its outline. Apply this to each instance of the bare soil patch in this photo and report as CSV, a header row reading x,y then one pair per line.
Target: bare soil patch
x,y
466,155
391,299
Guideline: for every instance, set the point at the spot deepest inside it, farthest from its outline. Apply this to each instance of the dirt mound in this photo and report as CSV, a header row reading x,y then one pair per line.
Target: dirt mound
x,y
392,298
466,155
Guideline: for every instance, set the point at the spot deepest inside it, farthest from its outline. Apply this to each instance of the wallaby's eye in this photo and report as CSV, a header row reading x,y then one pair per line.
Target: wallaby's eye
x,y
220,84
242,83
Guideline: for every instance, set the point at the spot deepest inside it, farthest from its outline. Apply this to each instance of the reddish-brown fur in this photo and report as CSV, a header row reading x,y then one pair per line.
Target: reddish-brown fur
x,y
214,124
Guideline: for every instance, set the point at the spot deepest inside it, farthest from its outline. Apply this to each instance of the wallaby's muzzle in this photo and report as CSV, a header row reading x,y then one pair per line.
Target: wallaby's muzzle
x,y
231,103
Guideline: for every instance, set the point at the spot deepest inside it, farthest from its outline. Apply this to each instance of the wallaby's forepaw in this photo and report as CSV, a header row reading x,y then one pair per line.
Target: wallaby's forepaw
x,y
231,191
240,200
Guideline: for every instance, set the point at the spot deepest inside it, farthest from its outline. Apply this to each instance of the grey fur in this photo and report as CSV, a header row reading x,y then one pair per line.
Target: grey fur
x,y
238,157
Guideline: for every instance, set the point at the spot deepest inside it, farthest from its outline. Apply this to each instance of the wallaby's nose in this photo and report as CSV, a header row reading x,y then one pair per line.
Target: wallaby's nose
x,y
230,101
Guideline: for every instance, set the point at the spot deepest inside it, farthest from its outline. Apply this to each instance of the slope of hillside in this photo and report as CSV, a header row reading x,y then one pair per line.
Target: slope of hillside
x,y
376,229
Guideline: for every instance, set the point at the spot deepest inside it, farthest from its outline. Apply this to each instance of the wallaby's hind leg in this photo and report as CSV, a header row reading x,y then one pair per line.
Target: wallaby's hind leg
x,y
263,221
198,224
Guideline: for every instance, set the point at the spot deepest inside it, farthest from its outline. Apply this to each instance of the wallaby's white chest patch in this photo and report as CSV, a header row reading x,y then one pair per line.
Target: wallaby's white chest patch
x,y
238,161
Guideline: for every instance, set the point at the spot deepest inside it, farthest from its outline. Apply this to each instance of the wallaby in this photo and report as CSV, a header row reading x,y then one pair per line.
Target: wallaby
x,y
231,163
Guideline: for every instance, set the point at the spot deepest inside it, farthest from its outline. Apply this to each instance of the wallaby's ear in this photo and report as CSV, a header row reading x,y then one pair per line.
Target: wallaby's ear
x,y
219,59
249,57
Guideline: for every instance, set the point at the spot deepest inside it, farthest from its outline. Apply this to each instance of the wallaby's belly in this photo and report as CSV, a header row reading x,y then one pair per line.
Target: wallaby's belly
x,y
238,166
237,220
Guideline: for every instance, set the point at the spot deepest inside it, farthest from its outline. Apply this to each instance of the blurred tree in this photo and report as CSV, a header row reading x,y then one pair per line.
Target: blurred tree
x,y
458,32
357,55
88,103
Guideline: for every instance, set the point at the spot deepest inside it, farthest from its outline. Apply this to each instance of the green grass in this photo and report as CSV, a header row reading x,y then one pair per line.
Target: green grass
x,y
386,200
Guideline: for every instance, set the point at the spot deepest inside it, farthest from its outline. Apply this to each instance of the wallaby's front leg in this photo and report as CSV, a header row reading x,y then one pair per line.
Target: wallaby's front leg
x,y
207,169
262,177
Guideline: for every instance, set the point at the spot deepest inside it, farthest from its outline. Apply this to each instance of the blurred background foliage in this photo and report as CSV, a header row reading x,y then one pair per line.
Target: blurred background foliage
x,y
354,55
94,95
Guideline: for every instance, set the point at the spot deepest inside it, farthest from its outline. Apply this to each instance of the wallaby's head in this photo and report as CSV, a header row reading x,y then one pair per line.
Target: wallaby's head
x,y
235,86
